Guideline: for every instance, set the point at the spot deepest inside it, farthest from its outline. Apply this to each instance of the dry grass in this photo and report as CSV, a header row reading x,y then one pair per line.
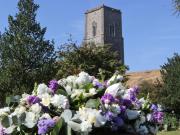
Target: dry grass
x,y
177,132
135,78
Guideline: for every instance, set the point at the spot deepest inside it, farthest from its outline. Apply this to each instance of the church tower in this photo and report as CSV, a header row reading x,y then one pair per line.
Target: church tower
x,y
103,25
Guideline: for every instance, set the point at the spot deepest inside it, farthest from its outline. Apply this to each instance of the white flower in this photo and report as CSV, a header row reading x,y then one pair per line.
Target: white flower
x,y
86,126
74,126
142,100
149,117
132,114
92,116
4,111
113,89
83,78
68,89
116,108
115,78
92,91
36,108
66,115
45,116
46,99
100,120
60,101
24,98
107,106
20,110
62,82
42,89
76,93
71,79
31,119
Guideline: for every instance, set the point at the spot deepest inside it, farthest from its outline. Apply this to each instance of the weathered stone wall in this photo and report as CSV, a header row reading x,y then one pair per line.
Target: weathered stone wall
x,y
104,17
98,17
113,17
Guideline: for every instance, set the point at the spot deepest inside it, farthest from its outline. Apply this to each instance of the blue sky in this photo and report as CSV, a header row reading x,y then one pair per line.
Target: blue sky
x,y
150,29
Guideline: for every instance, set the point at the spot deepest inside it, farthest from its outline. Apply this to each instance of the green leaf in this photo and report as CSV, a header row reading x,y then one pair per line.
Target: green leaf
x,y
15,120
87,87
93,103
57,127
22,117
62,92
8,100
5,122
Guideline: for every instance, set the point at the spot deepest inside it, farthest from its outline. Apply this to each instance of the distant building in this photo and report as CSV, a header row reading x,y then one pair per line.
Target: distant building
x,y
104,26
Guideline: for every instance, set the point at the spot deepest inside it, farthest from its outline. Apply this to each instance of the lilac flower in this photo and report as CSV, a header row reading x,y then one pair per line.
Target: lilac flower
x,y
96,83
135,90
44,125
133,93
53,85
109,115
118,121
154,107
105,84
126,102
158,117
107,98
123,109
138,104
33,99
2,130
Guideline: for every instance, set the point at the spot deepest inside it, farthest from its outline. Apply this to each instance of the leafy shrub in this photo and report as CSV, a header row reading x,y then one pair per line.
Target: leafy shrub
x,y
170,92
89,58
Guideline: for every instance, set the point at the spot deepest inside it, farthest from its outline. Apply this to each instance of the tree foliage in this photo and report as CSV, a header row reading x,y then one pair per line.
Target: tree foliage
x,y
177,6
152,89
170,92
25,55
89,58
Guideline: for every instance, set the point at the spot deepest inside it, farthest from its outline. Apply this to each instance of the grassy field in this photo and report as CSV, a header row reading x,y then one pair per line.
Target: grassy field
x,y
169,133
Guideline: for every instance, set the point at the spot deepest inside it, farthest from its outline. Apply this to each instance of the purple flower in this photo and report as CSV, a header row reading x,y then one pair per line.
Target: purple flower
x,y
53,85
154,107
123,108
158,117
126,102
109,115
105,83
118,121
96,83
138,104
135,90
33,99
107,98
44,125
2,129
133,93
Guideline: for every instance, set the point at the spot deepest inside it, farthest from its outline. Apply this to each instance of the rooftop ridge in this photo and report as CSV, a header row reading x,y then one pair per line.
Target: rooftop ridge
x,y
101,6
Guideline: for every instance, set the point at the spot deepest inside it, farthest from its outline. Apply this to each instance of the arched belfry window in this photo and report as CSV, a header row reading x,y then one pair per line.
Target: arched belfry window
x,y
112,31
94,28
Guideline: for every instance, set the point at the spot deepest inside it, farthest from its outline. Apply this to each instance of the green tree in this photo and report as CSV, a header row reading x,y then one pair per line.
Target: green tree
x,y
26,56
177,6
152,89
170,92
89,58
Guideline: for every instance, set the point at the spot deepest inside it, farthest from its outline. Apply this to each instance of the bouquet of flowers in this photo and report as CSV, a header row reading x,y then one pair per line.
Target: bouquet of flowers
x,y
81,104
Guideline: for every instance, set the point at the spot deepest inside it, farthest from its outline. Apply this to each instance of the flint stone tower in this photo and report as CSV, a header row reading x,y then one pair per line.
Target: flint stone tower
x,y
103,25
